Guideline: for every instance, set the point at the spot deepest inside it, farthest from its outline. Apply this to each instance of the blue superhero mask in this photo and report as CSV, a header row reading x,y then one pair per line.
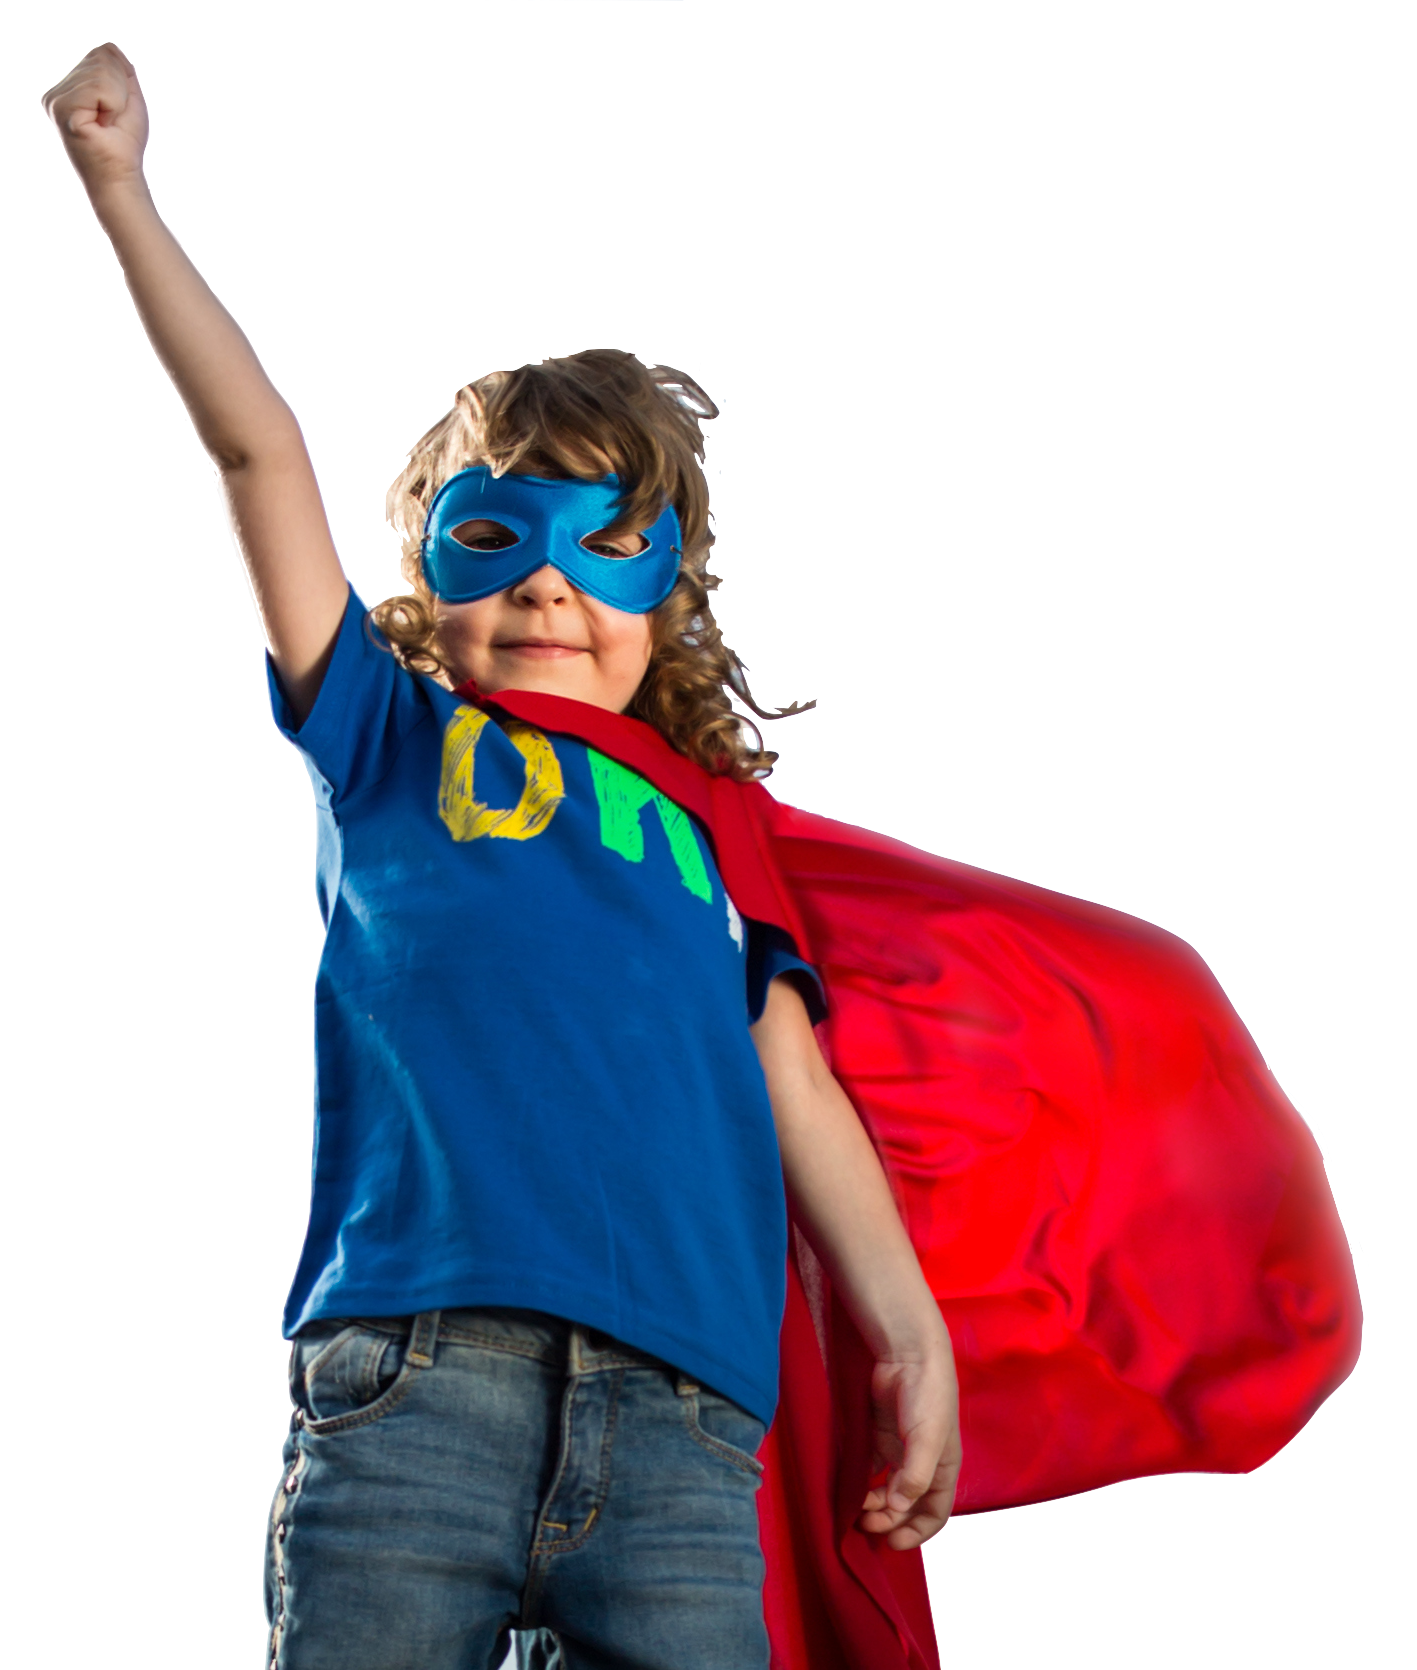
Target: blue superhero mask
x,y
549,519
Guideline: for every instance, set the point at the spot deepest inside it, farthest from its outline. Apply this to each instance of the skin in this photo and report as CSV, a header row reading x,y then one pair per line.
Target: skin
x,y
544,635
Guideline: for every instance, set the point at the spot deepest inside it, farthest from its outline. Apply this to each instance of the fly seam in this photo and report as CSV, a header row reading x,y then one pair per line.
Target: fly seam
x,y
568,1545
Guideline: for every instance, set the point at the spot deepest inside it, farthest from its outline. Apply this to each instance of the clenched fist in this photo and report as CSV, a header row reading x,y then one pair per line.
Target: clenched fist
x,y
99,111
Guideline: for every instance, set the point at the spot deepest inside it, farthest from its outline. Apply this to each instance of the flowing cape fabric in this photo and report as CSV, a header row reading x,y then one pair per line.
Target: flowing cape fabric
x,y
1126,1225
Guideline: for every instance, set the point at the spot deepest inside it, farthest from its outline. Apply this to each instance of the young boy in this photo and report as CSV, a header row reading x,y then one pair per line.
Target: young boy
x,y
562,1082
566,1063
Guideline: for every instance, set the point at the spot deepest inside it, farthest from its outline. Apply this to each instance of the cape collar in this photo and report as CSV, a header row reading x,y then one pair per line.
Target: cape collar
x,y
737,817
631,741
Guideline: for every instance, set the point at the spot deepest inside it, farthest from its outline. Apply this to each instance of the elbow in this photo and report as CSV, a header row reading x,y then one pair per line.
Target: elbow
x,y
276,441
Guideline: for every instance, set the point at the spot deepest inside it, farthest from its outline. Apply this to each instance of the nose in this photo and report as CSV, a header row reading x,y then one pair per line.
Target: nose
x,y
548,585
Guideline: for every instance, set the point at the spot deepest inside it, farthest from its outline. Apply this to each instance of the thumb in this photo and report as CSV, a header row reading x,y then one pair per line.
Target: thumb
x,y
916,1473
903,1492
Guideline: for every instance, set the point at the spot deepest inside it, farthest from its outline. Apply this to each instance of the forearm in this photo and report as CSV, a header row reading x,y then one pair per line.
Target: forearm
x,y
846,1209
236,410
839,1192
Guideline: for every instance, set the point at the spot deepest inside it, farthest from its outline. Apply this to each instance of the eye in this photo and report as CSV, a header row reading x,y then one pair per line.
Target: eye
x,y
485,536
607,544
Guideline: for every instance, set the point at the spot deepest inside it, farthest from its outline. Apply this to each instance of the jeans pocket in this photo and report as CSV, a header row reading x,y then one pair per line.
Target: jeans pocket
x,y
345,1374
725,1428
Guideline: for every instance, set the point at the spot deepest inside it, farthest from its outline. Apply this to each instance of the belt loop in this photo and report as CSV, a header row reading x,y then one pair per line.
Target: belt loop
x,y
576,1348
423,1339
684,1386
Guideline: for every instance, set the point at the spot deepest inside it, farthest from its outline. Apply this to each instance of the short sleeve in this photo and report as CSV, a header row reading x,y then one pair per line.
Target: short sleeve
x,y
366,708
771,952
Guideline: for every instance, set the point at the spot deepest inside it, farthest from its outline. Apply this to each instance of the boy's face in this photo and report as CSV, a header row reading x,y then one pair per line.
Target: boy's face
x,y
542,634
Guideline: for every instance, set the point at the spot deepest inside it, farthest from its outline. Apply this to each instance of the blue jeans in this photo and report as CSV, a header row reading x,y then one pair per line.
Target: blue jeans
x,y
455,1476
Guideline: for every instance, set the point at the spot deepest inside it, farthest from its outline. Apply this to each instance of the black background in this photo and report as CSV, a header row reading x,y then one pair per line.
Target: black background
x,y
1052,476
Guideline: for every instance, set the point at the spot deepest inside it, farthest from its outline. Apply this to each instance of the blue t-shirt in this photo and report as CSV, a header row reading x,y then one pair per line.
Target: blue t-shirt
x,y
535,1081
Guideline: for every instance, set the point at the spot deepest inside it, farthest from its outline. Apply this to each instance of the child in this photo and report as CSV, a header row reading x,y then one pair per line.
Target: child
x,y
536,1319
567,1065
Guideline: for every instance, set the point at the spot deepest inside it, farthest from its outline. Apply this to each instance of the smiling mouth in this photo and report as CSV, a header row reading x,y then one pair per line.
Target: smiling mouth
x,y
541,649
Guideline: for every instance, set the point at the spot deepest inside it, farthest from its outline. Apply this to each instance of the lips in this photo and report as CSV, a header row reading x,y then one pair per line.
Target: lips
x,y
541,649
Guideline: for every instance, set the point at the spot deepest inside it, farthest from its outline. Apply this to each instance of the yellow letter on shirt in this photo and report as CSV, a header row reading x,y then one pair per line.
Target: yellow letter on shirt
x,y
458,806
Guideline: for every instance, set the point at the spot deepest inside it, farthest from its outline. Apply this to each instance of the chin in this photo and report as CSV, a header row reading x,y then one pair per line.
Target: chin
x,y
544,681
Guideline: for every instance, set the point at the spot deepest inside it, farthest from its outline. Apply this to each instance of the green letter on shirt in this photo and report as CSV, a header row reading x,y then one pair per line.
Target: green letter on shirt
x,y
622,795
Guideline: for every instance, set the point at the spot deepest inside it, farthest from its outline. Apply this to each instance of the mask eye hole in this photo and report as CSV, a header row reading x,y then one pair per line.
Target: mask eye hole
x,y
618,545
485,536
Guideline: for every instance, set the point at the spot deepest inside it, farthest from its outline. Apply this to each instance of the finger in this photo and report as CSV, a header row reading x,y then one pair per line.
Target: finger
x,y
883,1471
887,1513
882,1514
909,1462
95,83
925,1451
127,74
929,1514
918,1529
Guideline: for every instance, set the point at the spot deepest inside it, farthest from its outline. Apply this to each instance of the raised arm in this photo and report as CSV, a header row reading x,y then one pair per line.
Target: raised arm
x,y
244,424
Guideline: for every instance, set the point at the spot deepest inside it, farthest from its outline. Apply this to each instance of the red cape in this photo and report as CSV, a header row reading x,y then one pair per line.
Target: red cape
x,y
1126,1224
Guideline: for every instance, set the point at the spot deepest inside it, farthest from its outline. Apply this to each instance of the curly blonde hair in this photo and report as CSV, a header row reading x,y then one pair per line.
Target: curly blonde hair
x,y
585,416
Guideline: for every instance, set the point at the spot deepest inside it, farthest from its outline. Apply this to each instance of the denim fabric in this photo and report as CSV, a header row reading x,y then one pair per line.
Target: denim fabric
x,y
451,1478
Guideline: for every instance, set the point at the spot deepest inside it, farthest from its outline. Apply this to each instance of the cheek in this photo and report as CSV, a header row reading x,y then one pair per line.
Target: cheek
x,y
636,642
621,639
467,625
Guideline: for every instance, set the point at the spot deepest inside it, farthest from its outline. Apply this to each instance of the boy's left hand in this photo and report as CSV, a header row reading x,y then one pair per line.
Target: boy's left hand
x,y
915,1414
